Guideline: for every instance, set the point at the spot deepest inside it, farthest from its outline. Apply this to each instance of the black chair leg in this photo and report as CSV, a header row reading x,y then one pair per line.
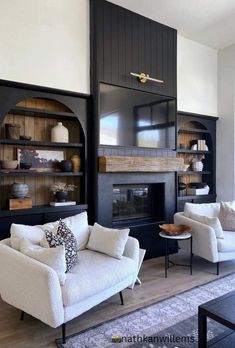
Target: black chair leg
x,y
22,315
63,333
121,298
217,268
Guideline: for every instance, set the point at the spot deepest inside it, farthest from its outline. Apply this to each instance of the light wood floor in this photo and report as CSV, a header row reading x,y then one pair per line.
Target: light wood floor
x,y
32,333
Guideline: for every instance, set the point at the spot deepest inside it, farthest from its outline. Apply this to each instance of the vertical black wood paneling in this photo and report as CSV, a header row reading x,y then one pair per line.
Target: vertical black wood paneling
x,y
159,32
135,57
125,41
121,44
147,47
165,67
107,28
114,48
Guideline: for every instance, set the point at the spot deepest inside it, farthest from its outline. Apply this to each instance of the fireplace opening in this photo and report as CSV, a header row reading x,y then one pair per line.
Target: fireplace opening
x,y
138,202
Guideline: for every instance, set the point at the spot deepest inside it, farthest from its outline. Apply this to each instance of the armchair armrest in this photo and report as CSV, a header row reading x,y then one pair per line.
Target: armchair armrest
x,y
204,238
132,250
31,286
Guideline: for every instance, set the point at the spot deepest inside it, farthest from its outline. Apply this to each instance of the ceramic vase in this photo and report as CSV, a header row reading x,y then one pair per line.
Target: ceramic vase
x,y
59,134
19,190
76,160
12,131
62,196
197,166
66,166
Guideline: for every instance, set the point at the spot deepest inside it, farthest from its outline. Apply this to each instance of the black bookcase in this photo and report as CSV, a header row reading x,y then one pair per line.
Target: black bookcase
x,y
191,128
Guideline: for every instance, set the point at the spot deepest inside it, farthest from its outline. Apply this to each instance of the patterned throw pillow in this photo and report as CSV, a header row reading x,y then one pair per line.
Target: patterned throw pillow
x,y
64,236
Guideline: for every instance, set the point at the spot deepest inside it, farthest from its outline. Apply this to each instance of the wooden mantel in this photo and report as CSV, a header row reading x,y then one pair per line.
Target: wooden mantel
x,y
139,164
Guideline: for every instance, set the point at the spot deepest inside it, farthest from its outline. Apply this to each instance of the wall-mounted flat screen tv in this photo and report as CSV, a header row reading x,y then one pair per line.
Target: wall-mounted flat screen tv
x,y
129,117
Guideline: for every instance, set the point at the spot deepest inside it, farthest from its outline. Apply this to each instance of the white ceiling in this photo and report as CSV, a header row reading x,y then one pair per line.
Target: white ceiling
x,y
210,22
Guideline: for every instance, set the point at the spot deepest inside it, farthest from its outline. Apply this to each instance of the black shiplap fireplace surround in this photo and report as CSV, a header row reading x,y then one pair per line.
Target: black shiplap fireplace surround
x,y
145,228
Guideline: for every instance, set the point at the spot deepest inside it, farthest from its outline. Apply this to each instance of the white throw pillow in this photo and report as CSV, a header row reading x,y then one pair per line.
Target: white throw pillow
x,y
210,221
227,215
208,209
32,233
53,257
78,224
108,241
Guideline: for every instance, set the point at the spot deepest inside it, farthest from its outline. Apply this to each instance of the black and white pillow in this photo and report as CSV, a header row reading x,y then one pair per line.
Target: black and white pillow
x,y
64,236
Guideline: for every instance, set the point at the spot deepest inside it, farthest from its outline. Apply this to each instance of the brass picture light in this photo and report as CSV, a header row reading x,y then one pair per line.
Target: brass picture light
x,y
143,78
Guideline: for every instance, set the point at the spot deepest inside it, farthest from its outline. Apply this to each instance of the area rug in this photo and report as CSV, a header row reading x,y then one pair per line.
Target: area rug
x,y
169,323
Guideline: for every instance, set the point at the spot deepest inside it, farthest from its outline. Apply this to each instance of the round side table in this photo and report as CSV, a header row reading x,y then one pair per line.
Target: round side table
x,y
182,236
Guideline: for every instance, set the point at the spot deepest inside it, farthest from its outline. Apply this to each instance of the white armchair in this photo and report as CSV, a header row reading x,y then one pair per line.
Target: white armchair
x,y
205,243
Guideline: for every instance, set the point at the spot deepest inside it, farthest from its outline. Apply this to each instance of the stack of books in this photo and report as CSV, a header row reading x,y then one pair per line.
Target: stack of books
x,y
61,204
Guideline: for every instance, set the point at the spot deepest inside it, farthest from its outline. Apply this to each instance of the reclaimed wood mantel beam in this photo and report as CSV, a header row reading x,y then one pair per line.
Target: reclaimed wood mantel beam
x,y
109,164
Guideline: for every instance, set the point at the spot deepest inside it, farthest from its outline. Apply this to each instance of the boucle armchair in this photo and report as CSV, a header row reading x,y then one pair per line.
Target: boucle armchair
x,y
204,240
34,287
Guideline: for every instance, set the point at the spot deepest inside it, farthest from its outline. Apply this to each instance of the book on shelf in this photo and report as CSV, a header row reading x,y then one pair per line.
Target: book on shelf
x,y
61,204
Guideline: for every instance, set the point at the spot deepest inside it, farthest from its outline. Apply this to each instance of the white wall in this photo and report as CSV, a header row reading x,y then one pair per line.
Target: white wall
x,y
196,77
226,126
45,42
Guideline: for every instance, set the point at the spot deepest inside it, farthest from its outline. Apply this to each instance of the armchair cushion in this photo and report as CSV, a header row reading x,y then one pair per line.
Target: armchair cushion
x,y
213,222
94,273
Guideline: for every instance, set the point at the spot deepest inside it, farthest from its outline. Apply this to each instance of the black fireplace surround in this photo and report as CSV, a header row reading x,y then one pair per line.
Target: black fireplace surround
x,y
140,201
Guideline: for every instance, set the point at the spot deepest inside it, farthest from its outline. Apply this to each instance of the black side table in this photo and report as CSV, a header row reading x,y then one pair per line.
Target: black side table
x,y
183,236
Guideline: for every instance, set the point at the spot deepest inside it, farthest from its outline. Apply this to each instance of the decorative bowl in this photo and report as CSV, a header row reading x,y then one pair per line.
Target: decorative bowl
x,y
25,165
9,164
175,230
25,137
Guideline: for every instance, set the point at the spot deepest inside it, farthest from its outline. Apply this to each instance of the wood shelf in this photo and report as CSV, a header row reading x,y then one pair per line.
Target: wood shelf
x,y
193,130
185,198
38,143
42,209
191,172
19,110
195,152
4,172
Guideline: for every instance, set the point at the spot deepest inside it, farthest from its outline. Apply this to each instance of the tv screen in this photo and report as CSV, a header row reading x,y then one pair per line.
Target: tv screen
x,y
128,117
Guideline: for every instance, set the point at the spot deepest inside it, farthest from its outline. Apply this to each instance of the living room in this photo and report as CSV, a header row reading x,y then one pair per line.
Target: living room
x,y
142,95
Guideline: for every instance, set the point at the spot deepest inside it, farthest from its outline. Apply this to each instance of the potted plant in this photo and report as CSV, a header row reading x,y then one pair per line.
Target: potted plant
x,y
61,190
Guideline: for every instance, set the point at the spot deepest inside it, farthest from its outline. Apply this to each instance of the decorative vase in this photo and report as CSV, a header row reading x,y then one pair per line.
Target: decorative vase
x,y
197,166
66,166
76,160
59,134
12,131
62,196
19,190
